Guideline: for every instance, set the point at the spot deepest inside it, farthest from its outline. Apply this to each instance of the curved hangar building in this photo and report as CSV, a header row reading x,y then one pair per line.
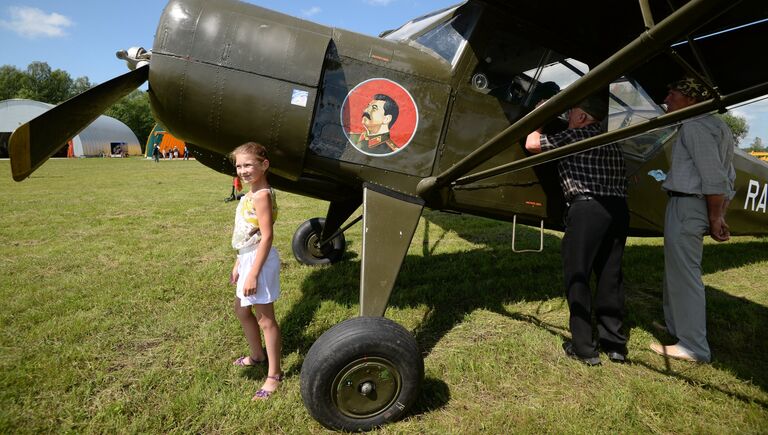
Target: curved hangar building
x,y
103,137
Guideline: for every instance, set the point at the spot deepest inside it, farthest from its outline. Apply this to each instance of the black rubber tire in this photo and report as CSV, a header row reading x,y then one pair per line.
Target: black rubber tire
x,y
354,349
304,244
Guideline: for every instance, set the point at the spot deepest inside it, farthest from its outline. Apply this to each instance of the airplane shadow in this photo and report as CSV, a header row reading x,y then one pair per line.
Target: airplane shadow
x,y
491,277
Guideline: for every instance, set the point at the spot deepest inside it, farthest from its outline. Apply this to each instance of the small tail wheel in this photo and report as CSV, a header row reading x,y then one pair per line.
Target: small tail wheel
x,y
362,373
306,244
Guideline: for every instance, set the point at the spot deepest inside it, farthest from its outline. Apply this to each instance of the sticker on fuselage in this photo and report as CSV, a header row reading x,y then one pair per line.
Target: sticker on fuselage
x,y
299,97
658,174
379,117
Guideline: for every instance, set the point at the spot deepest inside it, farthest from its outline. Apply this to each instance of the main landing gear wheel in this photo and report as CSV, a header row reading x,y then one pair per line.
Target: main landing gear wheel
x,y
362,373
306,244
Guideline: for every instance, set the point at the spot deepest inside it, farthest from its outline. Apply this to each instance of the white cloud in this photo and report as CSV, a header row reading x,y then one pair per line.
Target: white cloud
x,y
314,10
31,22
379,2
746,114
759,106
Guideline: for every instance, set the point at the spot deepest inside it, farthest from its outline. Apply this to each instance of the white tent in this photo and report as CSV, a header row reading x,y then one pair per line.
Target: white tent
x,y
101,137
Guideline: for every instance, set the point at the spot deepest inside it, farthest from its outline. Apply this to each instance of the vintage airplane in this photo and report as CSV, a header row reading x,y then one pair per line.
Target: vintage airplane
x,y
455,90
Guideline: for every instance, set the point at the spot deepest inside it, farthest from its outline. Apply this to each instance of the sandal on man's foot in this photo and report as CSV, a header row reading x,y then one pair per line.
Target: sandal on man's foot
x,y
241,362
263,394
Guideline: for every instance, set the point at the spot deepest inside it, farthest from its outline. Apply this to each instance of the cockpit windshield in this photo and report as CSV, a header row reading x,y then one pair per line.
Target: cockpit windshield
x,y
416,26
443,33
630,105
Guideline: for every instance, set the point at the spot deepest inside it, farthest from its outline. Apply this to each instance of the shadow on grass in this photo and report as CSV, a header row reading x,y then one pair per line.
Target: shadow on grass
x,y
492,276
735,325
434,395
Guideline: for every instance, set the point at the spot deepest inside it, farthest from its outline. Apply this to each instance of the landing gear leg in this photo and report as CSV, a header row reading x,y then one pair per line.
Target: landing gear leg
x,y
306,243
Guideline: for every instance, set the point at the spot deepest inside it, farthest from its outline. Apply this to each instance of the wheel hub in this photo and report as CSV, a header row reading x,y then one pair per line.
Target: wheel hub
x,y
314,248
366,387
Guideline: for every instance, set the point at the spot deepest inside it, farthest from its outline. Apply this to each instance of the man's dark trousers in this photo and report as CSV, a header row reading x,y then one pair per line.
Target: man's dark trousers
x,y
595,235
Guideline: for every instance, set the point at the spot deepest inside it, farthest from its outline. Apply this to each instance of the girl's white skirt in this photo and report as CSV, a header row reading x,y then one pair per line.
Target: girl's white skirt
x,y
268,286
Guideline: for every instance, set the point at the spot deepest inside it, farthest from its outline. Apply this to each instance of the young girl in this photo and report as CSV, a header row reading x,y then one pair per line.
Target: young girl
x,y
256,270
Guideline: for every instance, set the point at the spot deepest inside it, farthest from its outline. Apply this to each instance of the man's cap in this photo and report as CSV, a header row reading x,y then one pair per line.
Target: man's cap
x,y
691,88
544,91
596,105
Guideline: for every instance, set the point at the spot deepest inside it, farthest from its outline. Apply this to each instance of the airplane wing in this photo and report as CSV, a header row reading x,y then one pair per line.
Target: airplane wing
x,y
654,41
593,30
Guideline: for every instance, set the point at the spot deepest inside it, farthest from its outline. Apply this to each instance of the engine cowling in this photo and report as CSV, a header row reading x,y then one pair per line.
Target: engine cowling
x,y
225,72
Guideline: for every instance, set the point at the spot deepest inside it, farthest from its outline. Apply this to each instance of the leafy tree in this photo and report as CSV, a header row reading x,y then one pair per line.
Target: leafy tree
x,y
134,111
11,79
757,145
738,125
40,83
79,85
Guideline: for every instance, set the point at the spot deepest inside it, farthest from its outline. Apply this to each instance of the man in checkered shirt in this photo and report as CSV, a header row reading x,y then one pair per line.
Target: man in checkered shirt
x,y
597,220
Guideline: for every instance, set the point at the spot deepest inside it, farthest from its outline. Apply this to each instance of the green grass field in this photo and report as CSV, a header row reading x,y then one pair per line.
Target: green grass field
x,y
117,319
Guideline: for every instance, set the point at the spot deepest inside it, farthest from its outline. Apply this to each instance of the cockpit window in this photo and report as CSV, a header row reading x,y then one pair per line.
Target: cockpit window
x,y
416,26
563,72
629,98
552,76
524,74
630,105
443,33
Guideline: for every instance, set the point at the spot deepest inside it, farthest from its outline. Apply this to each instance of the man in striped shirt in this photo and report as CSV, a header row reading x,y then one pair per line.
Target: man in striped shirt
x,y
597,220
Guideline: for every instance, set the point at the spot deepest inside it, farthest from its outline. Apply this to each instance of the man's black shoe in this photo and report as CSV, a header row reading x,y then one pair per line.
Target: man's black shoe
x,y
590,361
617,357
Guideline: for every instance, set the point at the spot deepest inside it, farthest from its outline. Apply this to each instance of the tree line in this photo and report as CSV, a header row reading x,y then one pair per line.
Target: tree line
x,y
40,82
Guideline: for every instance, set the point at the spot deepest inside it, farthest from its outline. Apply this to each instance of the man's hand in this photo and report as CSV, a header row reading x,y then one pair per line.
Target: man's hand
x,y
533,142
719,230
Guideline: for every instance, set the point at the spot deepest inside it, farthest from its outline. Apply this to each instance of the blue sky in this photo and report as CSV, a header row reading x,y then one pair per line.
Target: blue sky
x,y
82,36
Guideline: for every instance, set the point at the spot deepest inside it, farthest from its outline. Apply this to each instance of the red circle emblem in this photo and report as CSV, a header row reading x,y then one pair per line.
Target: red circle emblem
x,y
379,117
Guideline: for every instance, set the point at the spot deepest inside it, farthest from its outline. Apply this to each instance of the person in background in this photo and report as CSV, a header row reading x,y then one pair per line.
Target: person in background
x,y
256,271
596,224
237,186
699,185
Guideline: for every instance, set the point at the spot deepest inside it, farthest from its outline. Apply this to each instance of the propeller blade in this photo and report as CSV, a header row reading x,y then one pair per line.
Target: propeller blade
x,y
34,142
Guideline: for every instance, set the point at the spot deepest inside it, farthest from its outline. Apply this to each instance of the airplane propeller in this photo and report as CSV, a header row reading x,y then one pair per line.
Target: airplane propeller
x,y
34,142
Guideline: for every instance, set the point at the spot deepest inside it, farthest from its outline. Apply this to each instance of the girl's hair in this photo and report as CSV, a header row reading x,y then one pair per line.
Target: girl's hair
x,y
252,148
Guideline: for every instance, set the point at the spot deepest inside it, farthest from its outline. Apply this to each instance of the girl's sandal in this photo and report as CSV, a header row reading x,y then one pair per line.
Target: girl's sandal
x,y
263,394
240,362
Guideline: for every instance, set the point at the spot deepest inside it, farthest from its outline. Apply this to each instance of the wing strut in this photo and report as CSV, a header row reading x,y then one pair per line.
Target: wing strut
x,y
616,135
650,43
645,8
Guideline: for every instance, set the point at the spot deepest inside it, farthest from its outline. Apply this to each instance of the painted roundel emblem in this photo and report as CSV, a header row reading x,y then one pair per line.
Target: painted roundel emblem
x,y
379,117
